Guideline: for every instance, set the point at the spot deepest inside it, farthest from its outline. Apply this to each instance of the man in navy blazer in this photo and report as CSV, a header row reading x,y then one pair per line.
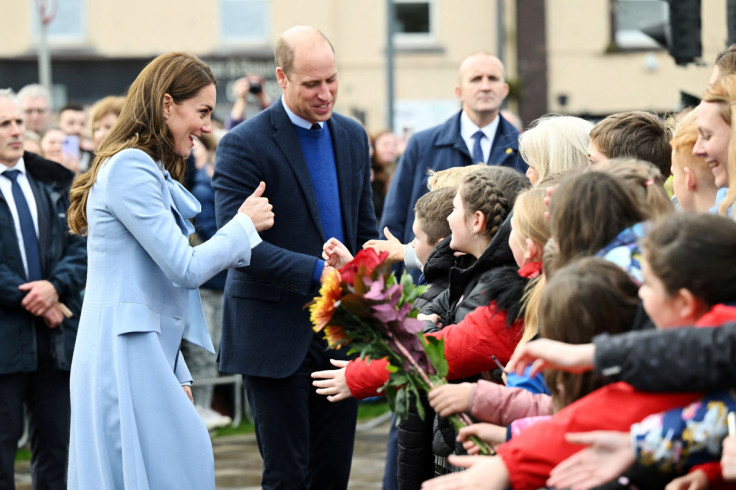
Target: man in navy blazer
x,y
316,168
478,133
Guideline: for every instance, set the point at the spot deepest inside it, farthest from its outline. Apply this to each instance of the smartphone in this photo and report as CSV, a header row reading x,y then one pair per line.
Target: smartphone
x,y
70,147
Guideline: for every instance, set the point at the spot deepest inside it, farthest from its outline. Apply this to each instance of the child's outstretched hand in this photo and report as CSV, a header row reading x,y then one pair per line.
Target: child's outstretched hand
x,y
728,458
391,244
332,383
545,353
495,435
608,456
451,398
335,253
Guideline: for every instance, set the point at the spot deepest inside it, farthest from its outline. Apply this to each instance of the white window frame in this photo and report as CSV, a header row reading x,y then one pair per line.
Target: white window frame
x,y
244,37
62,10
632,38
403,39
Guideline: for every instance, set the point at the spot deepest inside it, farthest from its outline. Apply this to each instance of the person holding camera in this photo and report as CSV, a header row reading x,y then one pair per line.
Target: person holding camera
x,y
252,84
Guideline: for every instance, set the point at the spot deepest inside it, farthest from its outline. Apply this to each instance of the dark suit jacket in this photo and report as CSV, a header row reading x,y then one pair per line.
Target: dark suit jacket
x,y
266,330
439,148
63,263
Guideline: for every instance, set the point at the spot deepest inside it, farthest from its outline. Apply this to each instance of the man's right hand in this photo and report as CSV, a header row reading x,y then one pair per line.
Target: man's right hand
x,y
258,209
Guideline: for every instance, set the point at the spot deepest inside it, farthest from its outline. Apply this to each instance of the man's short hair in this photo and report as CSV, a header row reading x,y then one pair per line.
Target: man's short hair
x,y
72,106
284,53
432,210
637,134
7,93
34,90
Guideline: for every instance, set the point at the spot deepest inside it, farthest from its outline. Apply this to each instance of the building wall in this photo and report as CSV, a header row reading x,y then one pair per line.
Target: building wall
x,y
596,82
579,71
142,29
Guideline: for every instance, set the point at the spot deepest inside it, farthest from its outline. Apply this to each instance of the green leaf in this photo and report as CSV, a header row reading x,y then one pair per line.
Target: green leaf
x,y
435,349
420,406
401,408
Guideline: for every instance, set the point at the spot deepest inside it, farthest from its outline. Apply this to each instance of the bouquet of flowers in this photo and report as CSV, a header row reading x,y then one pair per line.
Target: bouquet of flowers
x,y
363,306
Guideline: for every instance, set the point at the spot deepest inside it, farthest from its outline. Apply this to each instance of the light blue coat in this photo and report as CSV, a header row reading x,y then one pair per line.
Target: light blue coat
x,y
133,426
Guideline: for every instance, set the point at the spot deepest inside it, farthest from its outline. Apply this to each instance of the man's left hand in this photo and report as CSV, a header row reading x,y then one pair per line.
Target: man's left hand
x,y
41,296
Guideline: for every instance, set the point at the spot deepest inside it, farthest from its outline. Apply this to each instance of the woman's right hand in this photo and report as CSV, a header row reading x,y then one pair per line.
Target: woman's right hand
x,y
258,209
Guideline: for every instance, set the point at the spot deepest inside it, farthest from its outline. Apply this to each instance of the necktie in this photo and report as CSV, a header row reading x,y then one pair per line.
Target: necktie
x,y
27,229
316,126
477,150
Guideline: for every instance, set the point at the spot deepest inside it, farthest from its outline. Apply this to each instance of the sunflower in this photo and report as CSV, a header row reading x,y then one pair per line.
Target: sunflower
x,y
334,335
323,306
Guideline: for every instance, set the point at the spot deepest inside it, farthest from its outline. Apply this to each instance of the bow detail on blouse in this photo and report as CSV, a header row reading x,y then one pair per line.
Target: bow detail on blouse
x,y
185,207
183,203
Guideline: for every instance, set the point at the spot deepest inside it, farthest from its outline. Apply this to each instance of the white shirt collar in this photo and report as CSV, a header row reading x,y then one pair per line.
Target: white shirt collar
x,y
19,165
296,120
468,128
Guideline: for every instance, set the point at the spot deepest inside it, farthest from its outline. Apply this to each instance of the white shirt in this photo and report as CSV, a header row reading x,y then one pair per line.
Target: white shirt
x,y
7,192
296,120
468,128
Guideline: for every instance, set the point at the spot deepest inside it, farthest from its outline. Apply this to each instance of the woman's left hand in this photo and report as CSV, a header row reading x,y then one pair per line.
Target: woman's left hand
x,y
188,390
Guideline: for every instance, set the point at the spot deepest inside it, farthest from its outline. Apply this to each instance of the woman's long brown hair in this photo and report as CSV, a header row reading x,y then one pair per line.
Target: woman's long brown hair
x,y
141,123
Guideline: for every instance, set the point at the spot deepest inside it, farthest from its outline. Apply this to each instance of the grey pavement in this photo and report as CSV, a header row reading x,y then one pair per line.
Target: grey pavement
x,y
238,464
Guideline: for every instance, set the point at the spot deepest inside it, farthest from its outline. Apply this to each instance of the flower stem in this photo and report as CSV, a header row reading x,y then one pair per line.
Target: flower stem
x,y
459,421
414,363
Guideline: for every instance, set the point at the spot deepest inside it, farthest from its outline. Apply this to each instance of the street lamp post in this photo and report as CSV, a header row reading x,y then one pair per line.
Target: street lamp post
x,y
46,11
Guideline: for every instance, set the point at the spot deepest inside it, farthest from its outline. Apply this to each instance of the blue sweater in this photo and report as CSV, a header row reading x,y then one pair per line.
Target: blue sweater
x,y
320,158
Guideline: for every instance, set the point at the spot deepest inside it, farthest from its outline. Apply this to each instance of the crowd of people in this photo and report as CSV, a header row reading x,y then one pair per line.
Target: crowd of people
x,y
139,237
596,249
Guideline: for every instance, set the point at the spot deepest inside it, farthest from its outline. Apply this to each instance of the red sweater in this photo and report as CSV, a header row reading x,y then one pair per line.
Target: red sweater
x,y
531,456
469,346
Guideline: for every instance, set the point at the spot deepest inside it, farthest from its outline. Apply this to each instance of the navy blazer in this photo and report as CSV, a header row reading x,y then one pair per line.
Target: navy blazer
x,y
439,148
266,330
63,262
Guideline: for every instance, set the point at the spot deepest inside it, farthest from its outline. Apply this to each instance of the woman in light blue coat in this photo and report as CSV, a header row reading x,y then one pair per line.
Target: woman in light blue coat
x,y
133,423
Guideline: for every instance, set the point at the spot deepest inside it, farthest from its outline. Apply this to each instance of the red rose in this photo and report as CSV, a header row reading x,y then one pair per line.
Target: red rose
x,y
368,258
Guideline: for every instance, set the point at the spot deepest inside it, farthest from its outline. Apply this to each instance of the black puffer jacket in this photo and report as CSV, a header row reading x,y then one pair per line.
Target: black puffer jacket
x,y
471,284
415,456
437,272
505,287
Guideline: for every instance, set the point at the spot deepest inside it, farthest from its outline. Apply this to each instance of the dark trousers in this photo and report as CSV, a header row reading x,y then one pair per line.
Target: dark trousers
x,y
45,394
306,441
390,481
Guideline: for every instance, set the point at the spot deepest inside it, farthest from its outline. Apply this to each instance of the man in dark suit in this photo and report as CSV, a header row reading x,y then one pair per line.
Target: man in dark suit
x,y
42,273
478,133
317,172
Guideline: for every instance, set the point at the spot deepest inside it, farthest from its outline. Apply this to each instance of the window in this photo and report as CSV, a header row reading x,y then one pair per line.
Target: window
x,y
68,23
244,21
414,21
630,16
